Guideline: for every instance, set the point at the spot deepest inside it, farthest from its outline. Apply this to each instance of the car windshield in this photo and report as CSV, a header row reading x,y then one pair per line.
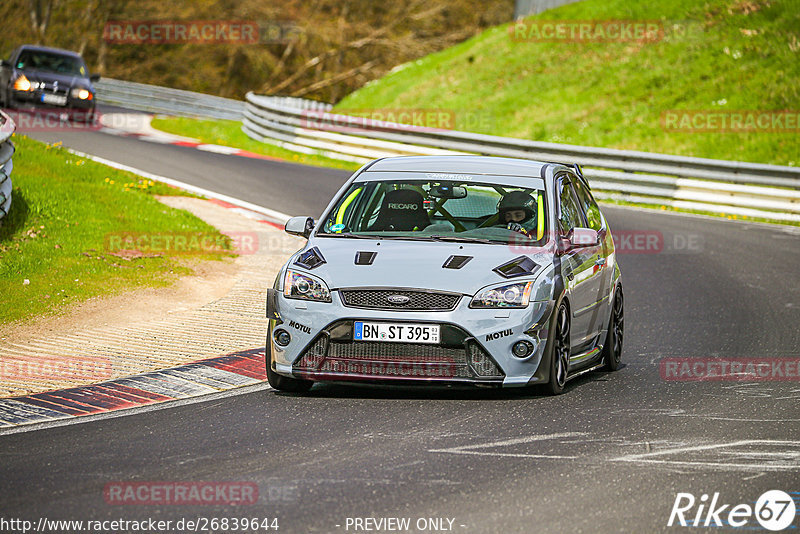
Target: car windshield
x,y
51,62
440,211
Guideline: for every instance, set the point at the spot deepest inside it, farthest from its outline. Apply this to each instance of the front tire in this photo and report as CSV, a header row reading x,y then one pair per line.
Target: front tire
x,y
559,362
280,382
612,349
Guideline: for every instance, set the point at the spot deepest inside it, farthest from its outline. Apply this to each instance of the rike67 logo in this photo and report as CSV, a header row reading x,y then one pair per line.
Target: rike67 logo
x,y
774,510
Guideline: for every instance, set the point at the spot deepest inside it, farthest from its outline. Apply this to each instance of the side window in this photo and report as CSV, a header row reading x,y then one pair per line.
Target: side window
x,y
570,216
590,208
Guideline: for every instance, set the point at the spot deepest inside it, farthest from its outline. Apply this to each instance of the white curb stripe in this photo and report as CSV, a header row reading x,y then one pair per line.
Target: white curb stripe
x,y
275,216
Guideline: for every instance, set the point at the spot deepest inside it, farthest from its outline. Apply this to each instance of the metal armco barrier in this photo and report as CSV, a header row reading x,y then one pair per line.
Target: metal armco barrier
x,y
718,186
524,8
156,99
7,127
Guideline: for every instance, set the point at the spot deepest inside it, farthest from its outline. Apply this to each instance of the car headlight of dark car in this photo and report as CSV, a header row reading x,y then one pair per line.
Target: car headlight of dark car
x,y
305,287
23,84
81,93
516,295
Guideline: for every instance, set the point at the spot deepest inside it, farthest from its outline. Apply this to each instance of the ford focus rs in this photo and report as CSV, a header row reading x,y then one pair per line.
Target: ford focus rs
x,y
446,270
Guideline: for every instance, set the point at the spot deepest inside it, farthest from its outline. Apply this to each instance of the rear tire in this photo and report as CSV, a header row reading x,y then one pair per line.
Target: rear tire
x,y
559,361
612,349
280,382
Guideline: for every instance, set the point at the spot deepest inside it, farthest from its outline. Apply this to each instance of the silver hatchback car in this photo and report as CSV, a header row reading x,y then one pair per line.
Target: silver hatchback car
x,y
449,269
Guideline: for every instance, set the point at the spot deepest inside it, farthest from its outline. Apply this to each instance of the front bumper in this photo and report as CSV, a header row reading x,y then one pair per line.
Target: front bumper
x,y
32,100
475,345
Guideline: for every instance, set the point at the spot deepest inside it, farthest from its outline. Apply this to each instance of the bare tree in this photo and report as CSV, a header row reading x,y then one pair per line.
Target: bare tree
x,y
339,45
40,11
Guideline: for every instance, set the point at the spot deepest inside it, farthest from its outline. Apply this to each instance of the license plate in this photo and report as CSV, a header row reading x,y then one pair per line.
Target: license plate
x,y
397,332
56,100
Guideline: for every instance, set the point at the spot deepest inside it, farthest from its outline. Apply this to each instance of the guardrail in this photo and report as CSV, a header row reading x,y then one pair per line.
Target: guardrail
x,y
7,127
718,186
156,99
524,8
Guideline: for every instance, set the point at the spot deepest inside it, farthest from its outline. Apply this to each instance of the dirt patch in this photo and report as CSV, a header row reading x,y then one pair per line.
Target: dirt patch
x,y
218,310
747,7
211,280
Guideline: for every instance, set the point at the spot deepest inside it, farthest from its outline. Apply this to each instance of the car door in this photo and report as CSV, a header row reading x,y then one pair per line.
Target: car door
x,y
603,270
579,269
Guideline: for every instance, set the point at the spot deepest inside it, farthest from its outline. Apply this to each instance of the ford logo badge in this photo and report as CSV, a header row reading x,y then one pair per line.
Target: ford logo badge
x,y
398,299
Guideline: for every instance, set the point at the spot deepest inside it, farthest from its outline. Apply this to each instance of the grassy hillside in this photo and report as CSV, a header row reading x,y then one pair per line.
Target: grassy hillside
x,y
714,55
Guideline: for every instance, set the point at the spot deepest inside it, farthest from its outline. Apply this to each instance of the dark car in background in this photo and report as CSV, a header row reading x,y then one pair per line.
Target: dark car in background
x,y
39,78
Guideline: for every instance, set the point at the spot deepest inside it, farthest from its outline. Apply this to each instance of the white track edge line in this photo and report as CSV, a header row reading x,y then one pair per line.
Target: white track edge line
x,y
276,216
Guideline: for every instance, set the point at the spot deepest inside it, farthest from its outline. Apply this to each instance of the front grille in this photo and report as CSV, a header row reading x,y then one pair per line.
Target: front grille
x,y
53,89
377,299
396,360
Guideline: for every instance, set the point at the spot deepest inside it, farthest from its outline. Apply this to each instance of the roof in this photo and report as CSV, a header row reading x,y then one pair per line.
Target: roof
x,y
460,164
50,49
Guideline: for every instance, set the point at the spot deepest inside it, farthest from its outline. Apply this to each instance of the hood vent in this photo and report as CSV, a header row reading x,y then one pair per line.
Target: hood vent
x,y
456,262
310,259
365,258
520,266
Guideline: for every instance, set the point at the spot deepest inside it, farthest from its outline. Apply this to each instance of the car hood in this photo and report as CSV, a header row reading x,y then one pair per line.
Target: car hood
x,y
413,264
64,80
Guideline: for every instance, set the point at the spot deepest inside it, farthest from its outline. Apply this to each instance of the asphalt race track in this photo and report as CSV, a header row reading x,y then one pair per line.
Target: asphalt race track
x,y
609,455
285,187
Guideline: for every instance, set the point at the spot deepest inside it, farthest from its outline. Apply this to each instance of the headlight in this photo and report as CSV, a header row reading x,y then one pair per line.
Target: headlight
x,y
82,94
507,296
22,84
305,287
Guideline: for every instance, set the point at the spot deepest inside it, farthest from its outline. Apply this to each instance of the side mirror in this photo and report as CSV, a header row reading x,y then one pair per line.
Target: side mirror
x,y
4,63
583,237
94,77
300,226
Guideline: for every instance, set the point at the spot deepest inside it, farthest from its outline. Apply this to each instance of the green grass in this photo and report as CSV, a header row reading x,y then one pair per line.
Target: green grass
x,y
229,133
716,55
64,209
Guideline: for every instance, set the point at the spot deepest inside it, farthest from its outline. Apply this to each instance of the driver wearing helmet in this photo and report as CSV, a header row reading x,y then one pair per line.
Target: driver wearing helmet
x,y
517,212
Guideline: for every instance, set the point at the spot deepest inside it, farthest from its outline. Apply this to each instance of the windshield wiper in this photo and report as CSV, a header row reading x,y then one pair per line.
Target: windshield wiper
x,y
419,237
349,235
460,239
